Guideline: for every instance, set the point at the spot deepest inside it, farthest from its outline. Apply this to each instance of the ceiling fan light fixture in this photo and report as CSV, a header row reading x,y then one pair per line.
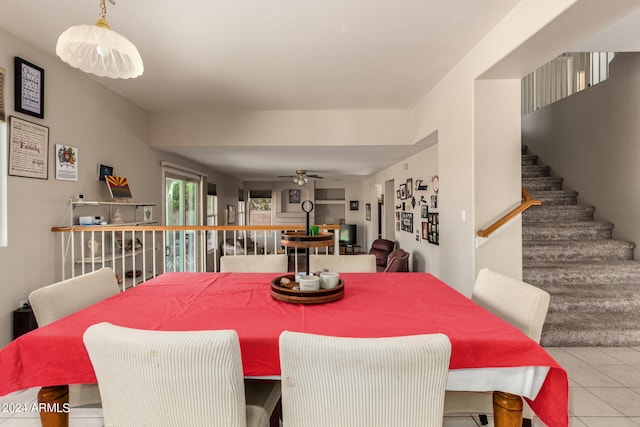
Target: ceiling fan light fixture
x,y
300,180
97,49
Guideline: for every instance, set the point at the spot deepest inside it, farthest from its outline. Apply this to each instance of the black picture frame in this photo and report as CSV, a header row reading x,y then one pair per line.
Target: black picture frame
x,y
424,211
403,191
28,88
409,188
407,222
367,211
294,196
104,170
354,205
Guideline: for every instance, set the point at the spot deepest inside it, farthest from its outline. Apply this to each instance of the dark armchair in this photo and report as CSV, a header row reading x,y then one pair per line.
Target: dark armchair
x,y
381,248
397,261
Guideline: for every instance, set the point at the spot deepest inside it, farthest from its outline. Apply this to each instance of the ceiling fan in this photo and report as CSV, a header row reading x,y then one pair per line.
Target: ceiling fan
x,y
301,177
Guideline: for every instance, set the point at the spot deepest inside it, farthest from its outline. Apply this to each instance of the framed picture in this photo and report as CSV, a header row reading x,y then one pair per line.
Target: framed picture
x,y
104,170
66,163
397,194
409,188
28,149
434,201
354,205
231,214
294,196
425,230
424,211
367,211
29,88
407,222
118,187
403,191
433,229
147,214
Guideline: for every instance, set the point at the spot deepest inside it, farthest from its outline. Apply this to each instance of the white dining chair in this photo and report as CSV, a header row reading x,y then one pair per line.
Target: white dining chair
x,y
276,263
60,299
175,378
518,303
365,263
368,382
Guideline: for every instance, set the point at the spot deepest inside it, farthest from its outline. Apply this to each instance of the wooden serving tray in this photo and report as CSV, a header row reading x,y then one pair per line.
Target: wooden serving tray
x,y
302,240
297,296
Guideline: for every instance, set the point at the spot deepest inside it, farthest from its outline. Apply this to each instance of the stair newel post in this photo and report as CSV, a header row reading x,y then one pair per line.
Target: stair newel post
x,y
307,207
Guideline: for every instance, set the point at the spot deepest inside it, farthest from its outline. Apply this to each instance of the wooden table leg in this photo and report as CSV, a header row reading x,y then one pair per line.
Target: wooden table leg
x,y
53,406
507,410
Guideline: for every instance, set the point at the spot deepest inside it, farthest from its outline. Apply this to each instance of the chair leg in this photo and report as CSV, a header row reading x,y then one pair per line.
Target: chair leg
x,y
526,422
276,415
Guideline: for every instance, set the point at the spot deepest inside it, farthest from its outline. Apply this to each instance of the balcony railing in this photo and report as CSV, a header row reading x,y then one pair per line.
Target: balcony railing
x,y
563,76
139,252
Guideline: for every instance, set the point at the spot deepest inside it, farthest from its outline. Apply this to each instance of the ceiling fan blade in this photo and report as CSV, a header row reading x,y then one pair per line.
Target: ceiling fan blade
x,y
315,176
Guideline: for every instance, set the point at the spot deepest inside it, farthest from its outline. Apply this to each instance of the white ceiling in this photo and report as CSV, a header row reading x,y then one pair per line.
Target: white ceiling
x,y
276,54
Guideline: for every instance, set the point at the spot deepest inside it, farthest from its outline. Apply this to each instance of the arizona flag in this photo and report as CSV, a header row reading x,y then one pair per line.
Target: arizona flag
x,y
118,186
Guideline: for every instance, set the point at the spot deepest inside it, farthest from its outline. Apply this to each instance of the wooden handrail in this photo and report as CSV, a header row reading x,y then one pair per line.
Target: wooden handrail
x,y
527,202
115,227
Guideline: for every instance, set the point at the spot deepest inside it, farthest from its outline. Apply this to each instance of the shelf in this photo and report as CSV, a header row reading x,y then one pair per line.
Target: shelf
x,y
99,203
132,219
120,224
330,202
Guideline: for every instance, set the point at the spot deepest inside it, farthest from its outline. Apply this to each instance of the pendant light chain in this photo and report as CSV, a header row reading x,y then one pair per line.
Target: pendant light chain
x,y
103,8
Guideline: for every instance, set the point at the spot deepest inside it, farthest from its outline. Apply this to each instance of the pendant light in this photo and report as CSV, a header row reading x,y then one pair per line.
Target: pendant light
x,y
98,50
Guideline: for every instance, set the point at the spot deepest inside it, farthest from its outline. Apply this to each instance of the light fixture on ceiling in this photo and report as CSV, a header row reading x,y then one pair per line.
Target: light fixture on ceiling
x,y
99,50
301,179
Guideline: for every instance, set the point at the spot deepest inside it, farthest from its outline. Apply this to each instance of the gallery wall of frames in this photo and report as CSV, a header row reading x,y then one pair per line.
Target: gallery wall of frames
x,y
416,208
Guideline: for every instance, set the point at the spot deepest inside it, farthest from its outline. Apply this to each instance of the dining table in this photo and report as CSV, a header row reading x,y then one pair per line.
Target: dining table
x,y
488,354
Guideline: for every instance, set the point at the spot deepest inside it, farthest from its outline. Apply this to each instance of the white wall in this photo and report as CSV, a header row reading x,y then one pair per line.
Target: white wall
x,y
424,165
280,128
591,139
105,129
497,171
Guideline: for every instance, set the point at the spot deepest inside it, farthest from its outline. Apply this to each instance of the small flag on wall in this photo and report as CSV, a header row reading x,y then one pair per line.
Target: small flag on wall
x,y
118,187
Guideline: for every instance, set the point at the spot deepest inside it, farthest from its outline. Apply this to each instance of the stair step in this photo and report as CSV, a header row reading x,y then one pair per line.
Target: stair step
x,y
578,230
529,159
544,183
563,213
580,328
535,170
577,250
572,274
561,197
595,298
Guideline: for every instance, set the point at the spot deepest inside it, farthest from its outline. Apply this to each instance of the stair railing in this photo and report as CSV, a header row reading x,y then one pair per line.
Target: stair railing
x,y
527,202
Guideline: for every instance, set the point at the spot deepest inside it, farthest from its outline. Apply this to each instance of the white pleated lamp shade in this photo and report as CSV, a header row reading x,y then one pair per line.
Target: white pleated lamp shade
x,y
98,50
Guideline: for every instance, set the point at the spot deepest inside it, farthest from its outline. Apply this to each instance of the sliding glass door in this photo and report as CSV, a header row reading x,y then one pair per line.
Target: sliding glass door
x,y
181,208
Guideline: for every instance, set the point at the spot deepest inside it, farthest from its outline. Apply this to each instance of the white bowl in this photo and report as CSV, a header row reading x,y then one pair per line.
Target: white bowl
x,y
329,279
309,283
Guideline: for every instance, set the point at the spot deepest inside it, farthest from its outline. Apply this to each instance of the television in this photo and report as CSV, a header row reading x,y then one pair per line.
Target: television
x,y
348,235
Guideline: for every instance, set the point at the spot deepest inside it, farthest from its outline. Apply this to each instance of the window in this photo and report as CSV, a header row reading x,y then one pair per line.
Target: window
x,y
260,207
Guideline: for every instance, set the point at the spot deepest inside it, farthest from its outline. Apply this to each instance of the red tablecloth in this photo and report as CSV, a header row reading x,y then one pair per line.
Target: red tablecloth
x,y
374,305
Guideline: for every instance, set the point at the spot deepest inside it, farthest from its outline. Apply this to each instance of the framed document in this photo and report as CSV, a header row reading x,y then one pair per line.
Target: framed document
x,y
29,88
28,149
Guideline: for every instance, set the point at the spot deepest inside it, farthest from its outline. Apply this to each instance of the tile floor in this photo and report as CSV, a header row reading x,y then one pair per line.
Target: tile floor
x,y
604,381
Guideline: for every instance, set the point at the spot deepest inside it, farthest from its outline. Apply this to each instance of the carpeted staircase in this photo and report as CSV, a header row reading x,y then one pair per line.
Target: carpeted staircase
x,y
593,279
